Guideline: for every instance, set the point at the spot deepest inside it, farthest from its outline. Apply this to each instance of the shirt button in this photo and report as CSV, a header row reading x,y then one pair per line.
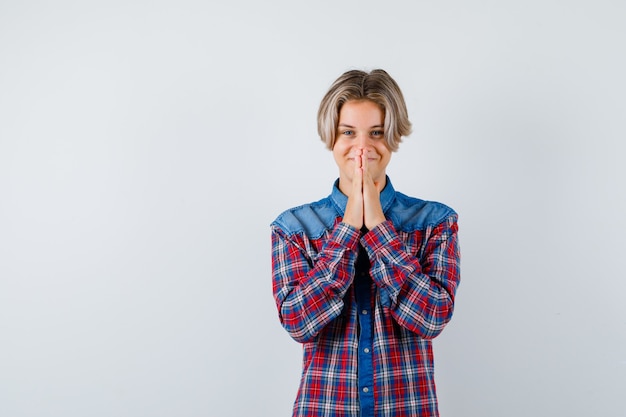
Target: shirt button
x,y
366,350
366,389
364,312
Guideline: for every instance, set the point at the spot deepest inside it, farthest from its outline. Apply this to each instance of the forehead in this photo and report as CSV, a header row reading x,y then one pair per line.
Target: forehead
x,y
361,112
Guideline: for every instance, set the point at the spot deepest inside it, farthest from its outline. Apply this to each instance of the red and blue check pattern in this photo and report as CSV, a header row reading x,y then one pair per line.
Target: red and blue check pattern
x,y
414,276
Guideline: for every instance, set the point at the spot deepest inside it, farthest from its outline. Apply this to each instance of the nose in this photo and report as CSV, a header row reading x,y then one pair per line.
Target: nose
x,y
362,141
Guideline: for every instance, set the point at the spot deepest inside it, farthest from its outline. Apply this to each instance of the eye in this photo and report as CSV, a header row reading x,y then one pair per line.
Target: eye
x,y
377,134
347,133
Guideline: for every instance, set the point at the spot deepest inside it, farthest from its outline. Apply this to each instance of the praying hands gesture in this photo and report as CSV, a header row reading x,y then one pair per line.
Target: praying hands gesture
x,y
363,206
362,155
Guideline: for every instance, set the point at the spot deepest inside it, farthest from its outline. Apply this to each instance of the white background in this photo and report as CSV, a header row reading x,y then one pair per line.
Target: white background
x,y
145,147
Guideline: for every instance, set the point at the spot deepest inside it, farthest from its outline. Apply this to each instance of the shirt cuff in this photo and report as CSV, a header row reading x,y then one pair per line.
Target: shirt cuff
x,y
387,252
346,236
380,236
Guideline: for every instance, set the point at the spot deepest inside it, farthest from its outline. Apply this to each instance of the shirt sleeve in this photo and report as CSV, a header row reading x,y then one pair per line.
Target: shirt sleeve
x,y
309,292
418,292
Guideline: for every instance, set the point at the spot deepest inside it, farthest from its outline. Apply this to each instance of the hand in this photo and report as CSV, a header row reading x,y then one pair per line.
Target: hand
x,y
373,211
363,207
354,208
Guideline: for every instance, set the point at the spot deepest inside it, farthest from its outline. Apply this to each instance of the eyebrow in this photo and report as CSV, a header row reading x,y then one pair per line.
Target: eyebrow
x,y
352,127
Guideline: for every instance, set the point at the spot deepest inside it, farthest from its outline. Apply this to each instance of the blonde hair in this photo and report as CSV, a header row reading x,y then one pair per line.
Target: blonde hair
x,y
376,86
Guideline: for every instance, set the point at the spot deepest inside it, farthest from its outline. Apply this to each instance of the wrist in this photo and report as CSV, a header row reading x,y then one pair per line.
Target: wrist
x,y
372,223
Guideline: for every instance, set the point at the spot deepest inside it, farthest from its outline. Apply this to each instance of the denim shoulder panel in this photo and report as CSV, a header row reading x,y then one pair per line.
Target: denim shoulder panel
x,y
409,214
311,219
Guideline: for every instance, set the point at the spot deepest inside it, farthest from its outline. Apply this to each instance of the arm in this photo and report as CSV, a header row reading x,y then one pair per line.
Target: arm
x,y
309,293
419,293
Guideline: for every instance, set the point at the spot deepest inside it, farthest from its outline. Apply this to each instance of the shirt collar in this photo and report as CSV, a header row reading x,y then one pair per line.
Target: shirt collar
x,y
339,199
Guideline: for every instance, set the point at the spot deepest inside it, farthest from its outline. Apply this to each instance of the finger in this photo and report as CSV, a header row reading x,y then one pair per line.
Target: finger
x,y
354,209
367,175
359,154
359,168
365,161
372,209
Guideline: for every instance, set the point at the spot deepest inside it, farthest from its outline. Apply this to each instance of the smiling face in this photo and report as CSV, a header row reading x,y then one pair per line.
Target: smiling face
x,y
361,126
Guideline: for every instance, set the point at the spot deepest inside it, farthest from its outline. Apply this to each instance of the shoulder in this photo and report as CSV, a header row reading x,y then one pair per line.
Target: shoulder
x,y
409,213
312,219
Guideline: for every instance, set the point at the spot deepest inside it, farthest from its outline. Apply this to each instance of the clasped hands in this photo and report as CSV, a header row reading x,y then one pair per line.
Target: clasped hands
x,y
363,207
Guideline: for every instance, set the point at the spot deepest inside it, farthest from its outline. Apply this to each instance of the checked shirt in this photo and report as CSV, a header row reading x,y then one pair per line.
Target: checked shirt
x,y
366,304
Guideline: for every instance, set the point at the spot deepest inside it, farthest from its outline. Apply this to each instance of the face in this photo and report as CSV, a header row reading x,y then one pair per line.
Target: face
x,y
361,126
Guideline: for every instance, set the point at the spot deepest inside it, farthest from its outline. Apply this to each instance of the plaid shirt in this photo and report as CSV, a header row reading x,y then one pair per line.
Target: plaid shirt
x,y
366,306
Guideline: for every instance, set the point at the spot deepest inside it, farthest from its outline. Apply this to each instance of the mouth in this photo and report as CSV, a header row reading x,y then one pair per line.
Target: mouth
x,y
369,159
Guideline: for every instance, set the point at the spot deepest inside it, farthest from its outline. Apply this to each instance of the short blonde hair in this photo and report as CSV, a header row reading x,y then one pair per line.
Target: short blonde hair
x,y
376,86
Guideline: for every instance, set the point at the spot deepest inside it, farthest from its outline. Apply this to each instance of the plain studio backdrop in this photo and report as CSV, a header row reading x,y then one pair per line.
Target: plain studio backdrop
x,y
146,146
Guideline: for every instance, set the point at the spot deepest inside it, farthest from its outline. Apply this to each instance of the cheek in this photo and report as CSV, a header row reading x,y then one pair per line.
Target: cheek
x,y
386,157
341,149
337,155
383,151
